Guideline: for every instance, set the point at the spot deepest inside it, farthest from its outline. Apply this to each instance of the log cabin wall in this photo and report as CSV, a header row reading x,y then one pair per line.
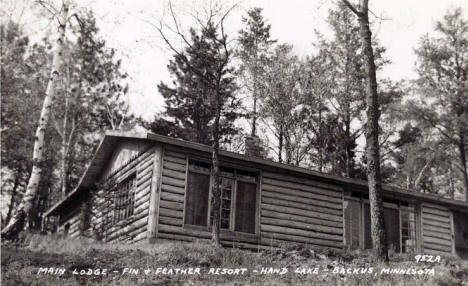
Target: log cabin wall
x,y
437,229
299,210
172,204
131,164
289,209
69,223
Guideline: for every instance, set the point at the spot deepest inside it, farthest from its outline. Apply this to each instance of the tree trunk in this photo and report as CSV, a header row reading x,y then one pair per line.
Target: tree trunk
x,y
18,222
11,206
280,145
462,154
379,238
216,200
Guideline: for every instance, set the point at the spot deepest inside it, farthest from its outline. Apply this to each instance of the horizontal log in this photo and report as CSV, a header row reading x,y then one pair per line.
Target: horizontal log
x,y
139,237
172,197
308,201
143,209
174,166
124,230
299,193
173,154
173,189
301,225
172,237
295,211
173,182
302,187
292,217
170,221
433,206
302,181
184,231
145,187
143,206
170,213
441,230
301,206
148,156
144,172
431,217
299,232
436,223
171,205
138,230
438,241
142,193
436,212
142,180
439,235
144,166
131,166
429,247
173,174
275,239
205,234
173,159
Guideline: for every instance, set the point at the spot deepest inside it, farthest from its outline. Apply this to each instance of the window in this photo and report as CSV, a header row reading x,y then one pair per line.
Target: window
x,y
246,201
399,225
238,198
353,223
408,240
124,198
198,190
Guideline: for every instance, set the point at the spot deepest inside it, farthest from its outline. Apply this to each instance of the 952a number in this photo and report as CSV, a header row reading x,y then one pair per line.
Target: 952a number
x,y
427,258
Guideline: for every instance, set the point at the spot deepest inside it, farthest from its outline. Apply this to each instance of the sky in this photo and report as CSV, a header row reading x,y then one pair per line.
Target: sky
x,y
127,26
399,27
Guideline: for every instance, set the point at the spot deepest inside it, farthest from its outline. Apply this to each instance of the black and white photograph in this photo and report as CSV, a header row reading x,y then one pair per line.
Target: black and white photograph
x,y
234,142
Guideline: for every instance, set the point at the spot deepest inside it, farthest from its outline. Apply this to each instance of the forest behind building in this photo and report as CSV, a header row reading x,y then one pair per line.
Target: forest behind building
x,y
307,111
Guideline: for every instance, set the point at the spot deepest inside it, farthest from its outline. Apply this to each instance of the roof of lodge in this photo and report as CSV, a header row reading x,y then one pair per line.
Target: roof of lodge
x,y
112,138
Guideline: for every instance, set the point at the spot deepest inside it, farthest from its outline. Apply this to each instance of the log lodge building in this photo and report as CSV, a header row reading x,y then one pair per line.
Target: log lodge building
x,y
143,186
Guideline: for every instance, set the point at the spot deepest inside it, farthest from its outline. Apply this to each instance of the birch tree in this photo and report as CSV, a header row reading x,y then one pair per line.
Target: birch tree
x,y
18,221
379,239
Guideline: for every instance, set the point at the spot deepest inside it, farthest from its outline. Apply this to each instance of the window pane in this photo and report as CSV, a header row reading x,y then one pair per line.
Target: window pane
x,y
353,223
392,224
226,197
124,198
198,187
246,202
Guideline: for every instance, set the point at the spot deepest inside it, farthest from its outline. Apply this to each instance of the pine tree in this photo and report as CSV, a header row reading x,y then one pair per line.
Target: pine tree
x,y
190,109
254,52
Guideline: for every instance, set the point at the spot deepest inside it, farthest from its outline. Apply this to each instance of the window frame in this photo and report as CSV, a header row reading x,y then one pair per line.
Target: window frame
x,y
399,205
130,177
235,168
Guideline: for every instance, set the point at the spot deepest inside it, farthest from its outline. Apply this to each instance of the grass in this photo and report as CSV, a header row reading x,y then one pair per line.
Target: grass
x,y
20,265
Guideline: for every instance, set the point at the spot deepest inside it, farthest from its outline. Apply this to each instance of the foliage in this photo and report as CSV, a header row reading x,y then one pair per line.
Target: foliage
x,y
190,104
440,107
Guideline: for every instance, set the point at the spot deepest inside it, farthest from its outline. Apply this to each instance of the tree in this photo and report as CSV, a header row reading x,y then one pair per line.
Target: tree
x,y
17,224
254,52
347,89
282,96
214,73
442,64
379,239
92,98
